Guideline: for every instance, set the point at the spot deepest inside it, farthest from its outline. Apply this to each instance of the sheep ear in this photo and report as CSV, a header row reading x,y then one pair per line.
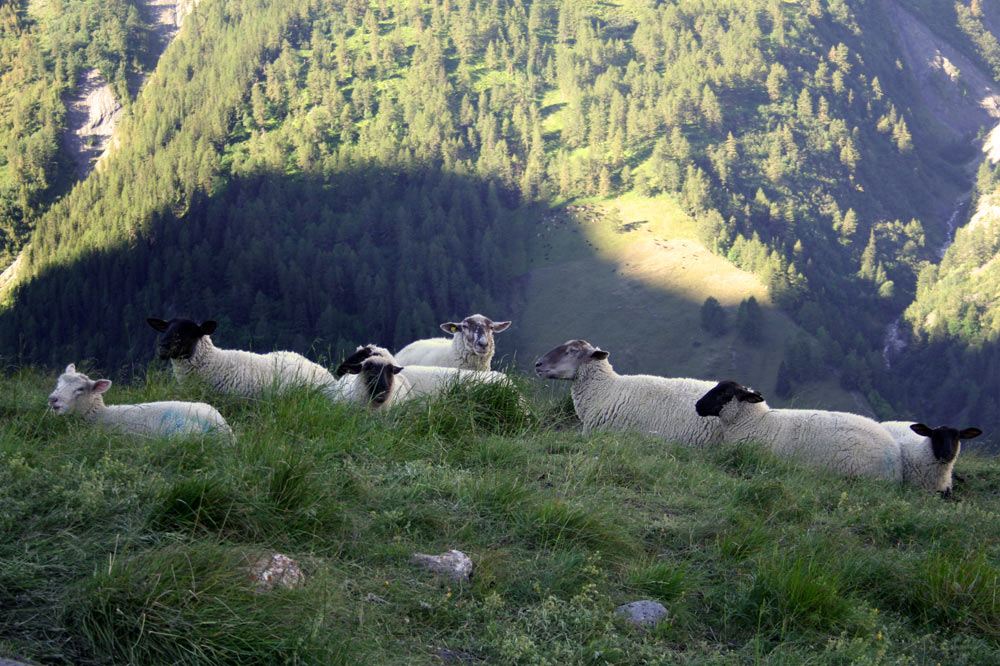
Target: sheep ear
x,y
396,369
599,354
101,385
921,430
500,326
70,369
158,324
208,327
344,368
451,327
969,433
750,396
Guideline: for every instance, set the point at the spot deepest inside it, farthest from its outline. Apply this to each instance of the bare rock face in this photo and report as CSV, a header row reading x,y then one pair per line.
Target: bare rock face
x,y
957,92
168,16
453,565
92,114
274,571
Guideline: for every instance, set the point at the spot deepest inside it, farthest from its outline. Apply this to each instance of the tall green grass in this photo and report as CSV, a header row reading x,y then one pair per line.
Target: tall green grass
x,y
116,549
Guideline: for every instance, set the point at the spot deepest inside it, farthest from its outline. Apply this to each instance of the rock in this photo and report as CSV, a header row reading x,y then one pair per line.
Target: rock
x,y
277,570
454,565
642,613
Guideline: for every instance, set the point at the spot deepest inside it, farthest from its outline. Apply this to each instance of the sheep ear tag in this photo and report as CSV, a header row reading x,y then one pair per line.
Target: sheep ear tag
x,y
450,327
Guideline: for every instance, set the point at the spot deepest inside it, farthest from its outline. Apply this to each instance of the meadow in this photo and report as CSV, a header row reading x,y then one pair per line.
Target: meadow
x,y
116,549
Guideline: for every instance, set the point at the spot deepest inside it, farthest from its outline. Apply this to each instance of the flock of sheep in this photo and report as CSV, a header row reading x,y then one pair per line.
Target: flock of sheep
x,y
686,411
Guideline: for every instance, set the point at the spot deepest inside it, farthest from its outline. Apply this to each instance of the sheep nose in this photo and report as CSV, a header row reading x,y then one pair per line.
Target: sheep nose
x,y
53,400
538,364
380,398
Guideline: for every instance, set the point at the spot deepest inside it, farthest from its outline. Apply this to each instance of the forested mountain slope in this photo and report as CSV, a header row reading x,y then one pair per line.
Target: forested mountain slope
x,y
321,172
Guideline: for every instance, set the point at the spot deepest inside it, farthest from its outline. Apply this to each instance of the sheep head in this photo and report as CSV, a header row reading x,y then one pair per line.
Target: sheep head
x,y
477,332
180,336
377,369
565,361
945,441
77,393
723,394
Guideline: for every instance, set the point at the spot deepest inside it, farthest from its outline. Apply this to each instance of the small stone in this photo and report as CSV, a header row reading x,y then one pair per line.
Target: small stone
x,y
642,613
277,570
454,565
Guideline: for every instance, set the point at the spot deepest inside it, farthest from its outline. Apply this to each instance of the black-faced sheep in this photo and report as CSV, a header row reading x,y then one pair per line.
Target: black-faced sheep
x,y
929,454
841,442
192,354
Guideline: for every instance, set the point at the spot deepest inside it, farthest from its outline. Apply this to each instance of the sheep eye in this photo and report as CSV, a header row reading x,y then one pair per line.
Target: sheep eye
x,y
78,391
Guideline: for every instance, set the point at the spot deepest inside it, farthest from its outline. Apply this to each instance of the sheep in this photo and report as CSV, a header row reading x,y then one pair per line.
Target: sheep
x,y
605,400
370,377
848,444
191,352
929,454
75,393
470,347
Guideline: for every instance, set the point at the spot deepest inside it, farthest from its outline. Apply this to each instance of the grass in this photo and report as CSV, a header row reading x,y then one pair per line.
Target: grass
x,y
122,550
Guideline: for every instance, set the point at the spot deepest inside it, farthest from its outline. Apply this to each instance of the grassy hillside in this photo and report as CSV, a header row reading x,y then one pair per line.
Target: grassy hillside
x,y
123,550
630,275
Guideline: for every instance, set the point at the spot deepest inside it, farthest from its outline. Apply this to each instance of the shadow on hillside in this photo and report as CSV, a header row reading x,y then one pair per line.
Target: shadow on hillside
x,y
316,265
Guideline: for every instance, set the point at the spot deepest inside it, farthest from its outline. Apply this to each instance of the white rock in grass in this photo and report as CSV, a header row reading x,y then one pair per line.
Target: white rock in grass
x,y
454,565
642,613
277,570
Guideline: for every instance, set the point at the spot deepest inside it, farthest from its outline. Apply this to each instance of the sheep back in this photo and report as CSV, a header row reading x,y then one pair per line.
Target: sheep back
x,y
168,418
845,443
248,374
658,406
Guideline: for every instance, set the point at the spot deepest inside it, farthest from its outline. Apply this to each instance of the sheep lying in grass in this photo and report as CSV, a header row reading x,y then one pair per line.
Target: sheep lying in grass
x,y
370,377
841,442
470,347
605,400
929,454
75,393
415,381
191,352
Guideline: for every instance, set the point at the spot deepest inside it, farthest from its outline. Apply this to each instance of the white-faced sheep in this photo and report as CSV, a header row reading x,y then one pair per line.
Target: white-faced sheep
x,y
192,354
605,400
929,454
75,393
841,442
370,377
470,347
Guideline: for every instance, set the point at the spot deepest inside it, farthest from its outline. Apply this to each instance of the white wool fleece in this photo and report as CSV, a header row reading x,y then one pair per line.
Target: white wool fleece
x,y
249,374
658,406
845,443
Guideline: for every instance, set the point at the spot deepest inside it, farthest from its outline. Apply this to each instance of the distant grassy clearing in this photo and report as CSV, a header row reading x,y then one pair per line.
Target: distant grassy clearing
x,y
630,275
